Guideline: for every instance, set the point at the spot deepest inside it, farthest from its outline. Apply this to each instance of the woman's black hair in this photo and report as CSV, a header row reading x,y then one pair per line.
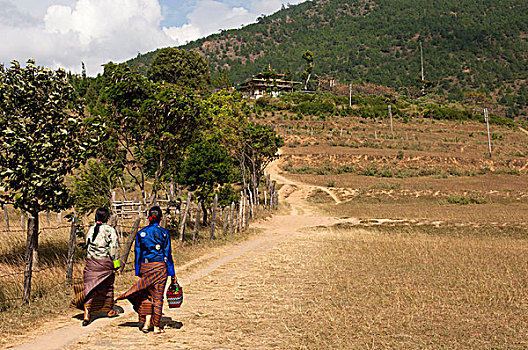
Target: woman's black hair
x,y
101,217
154,214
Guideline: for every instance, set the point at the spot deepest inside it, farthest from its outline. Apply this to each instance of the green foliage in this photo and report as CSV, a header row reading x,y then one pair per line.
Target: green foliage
x,y
184,68
227,195
149,124
43,138
92,186
447,113
207,165
221,80
462,200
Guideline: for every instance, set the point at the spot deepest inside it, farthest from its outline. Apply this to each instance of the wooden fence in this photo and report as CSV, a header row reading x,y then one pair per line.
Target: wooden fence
x,y
129,215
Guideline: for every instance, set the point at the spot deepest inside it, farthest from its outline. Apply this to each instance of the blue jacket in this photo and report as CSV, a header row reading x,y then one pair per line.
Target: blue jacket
x,y
153,245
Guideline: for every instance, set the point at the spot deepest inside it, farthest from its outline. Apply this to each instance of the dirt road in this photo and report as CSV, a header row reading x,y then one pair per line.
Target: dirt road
x,y
228,287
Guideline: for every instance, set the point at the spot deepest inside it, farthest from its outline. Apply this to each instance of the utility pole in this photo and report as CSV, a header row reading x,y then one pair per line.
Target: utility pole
x,y
486,118
350,95
390,115
422,65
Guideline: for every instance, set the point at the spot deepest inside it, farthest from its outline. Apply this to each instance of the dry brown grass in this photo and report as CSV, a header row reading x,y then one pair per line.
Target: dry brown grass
x,y
409,288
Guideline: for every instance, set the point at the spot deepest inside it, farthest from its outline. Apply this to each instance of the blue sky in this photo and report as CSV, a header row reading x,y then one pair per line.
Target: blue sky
x,y
64,33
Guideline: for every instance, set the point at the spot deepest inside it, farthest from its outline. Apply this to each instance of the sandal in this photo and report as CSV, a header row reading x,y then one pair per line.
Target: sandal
x,y
159,331
112,313
145,330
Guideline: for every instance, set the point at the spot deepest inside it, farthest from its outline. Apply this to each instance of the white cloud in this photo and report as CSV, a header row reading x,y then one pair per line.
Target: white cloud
x,y
183,34
93,31
210,16
65,32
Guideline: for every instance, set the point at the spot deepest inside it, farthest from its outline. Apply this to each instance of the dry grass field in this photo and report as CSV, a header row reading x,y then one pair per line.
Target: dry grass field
x,y
431,171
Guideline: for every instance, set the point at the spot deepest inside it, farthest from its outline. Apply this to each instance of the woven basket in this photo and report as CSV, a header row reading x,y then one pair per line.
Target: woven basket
x,y
174,295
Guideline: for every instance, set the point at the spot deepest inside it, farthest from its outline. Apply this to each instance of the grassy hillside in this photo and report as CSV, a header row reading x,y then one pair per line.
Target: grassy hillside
x,y
468,46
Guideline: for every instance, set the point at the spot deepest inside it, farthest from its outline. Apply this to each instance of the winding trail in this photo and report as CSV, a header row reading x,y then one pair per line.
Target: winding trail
x,y
120,332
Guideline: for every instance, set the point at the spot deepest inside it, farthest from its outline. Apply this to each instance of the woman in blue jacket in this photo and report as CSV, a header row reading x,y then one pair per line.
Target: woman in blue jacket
x,y
153,266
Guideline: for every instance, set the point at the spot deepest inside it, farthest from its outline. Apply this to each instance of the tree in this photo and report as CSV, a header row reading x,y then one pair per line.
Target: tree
x,y
150,125
180,67
222,81
228,116
44,137
262,144
92,186
307,73
206,167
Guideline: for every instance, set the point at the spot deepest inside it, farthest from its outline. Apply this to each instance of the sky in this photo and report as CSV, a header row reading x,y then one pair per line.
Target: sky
x,y
64,33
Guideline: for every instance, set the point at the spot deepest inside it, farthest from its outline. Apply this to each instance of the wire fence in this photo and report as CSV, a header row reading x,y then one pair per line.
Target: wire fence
x,y
236,217
56,286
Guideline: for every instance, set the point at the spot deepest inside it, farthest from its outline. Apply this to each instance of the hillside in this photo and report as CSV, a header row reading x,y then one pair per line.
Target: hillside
x,y
468,46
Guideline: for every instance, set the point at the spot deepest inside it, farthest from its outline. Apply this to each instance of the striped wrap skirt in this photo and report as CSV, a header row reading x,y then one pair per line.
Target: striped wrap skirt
x,y
146,295
96,293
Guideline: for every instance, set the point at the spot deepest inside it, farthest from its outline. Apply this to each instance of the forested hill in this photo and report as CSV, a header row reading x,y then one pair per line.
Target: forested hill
x,y
468,44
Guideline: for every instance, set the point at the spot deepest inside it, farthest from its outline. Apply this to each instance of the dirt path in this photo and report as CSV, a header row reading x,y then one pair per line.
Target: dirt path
x,y
188,327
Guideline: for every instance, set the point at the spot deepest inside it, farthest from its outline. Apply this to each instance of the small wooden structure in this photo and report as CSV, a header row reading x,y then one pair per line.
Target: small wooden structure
x,y
260,85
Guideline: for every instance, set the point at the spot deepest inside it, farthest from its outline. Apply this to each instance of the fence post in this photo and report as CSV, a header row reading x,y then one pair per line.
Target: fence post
x,y
128,244
390,115
251,203
231,218
225,219
182,223
6,217
247,213
213,216
28,263
273,193
240,212
71,251
22,221
197,223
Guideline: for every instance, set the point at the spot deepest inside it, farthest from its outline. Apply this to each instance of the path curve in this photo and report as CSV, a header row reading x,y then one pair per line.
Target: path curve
x,y
275,174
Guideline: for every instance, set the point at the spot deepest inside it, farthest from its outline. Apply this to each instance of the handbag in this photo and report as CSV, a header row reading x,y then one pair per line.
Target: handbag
x,y
174,295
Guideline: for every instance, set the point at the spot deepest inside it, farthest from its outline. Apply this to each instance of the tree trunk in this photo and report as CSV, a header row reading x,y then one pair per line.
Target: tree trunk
x,y
71,251
307,81
204,210
36,244
182,223
130,239
6,217
197,223
31,241
213,217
